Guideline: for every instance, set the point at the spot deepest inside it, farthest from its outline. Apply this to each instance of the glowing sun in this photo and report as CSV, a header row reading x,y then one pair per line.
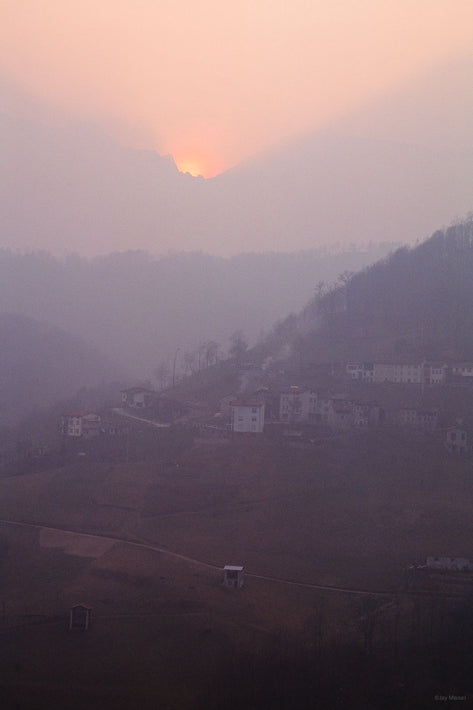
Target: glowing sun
x,y
196,162
193,167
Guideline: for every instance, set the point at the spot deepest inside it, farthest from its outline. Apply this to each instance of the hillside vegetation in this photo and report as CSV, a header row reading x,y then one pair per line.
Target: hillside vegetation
x,y
415,303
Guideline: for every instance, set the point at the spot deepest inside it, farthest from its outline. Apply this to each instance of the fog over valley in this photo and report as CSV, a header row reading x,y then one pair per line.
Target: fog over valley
x,y
137,309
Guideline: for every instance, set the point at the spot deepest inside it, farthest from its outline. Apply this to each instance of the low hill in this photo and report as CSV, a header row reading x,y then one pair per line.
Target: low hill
x,y
40,364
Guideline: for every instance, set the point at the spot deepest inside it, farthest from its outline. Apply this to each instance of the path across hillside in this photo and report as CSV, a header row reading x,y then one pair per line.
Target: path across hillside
x,y
124,413
200,563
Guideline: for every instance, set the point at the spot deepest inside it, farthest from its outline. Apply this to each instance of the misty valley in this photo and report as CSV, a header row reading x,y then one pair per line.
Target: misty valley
x,y
241,483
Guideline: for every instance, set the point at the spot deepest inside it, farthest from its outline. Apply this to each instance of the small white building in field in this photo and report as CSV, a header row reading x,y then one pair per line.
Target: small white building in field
x,y
247,416
233,576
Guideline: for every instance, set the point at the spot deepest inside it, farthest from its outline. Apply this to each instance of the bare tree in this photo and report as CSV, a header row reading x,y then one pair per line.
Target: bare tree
x,y
190,361
163,375
238,346
211,350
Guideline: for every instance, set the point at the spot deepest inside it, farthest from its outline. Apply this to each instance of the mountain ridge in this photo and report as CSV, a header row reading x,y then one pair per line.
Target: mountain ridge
x,y
73,188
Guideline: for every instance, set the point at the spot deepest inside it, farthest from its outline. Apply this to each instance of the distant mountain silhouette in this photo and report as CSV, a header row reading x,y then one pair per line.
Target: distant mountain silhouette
x,y
70,187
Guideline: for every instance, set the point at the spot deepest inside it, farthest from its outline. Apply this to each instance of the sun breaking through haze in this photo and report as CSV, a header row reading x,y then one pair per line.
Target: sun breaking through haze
x,y
193,163
240,76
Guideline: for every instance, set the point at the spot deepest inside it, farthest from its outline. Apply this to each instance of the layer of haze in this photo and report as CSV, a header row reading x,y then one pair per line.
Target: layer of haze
x,y
213,83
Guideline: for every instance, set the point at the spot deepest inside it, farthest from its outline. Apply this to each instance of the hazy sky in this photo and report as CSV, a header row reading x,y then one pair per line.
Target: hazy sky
x,y
213,82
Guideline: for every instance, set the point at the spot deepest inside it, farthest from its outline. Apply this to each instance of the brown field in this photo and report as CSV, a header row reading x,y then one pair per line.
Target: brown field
x,y
351,512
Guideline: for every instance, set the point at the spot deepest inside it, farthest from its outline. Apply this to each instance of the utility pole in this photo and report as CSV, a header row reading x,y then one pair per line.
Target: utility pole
x,y
174,366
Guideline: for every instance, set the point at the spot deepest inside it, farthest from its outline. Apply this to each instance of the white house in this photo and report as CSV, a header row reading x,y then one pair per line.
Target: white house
x,y
247,416
137,397
80,424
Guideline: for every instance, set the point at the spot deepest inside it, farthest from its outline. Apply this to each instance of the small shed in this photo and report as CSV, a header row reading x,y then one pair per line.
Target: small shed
x,y
233,576
79,617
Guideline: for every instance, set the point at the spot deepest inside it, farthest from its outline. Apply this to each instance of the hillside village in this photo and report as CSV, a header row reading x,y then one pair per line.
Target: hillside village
x,y
280,507
296,412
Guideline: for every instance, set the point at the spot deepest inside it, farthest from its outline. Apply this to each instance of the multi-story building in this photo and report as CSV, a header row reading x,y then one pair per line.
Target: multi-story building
x,y
421,419
247,416
362,371
401,373
293,404
297,404
435,373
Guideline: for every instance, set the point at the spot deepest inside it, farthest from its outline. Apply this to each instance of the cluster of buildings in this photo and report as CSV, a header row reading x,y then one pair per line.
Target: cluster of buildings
x,y
295,406
423,373
88,425
299,405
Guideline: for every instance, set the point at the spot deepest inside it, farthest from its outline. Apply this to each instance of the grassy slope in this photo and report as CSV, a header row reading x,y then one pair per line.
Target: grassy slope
x,y
351,512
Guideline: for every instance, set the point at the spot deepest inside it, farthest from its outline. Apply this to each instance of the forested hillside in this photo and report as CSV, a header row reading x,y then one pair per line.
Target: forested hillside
x,y
415,303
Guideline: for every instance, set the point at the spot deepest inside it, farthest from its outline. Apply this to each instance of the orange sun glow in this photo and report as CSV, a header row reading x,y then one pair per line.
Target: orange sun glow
x,y
193,167
195,163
